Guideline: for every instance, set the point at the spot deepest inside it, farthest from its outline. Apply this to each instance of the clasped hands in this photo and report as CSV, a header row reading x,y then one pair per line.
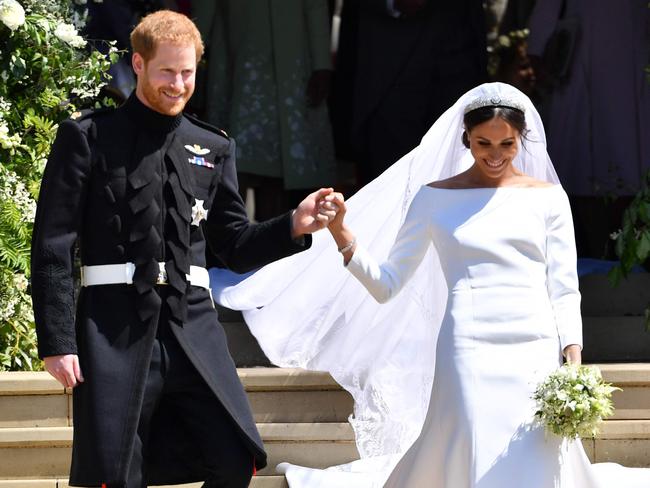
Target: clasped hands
x,y
323,208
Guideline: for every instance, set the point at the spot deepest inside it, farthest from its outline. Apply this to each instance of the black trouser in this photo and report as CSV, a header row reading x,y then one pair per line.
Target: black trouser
x,y
173,379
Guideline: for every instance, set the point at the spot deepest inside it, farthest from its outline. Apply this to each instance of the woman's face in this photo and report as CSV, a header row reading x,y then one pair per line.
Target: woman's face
x,y
494,144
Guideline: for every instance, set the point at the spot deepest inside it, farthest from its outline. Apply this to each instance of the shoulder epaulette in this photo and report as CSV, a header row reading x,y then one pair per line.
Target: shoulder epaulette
x,y
80,115
206,126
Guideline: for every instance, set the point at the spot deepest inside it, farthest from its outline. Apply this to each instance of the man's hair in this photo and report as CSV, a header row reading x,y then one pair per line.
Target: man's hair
x,y
165,26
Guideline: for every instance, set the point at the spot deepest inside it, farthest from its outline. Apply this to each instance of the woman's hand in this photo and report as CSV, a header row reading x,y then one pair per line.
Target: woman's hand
x,y
573,354
334,202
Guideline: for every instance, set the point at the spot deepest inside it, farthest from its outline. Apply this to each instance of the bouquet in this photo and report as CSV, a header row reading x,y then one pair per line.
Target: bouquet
x,y
573,401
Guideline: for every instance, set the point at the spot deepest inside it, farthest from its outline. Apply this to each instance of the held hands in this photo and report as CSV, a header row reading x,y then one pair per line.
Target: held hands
x,y
334,202
573,354
65,368
345,240
310,216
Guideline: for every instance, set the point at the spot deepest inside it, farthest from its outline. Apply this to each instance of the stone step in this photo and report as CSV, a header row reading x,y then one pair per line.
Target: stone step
x,y
35,453
39,452
276,395
633,402
626,442
256,482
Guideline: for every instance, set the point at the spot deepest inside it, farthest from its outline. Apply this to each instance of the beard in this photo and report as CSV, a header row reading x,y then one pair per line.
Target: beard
x,y
160,102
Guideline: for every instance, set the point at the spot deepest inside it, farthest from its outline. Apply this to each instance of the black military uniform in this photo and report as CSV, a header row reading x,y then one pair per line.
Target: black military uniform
x,y
131,185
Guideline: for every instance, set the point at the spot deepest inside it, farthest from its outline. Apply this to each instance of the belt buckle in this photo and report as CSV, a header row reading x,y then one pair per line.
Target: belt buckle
x,y
162,275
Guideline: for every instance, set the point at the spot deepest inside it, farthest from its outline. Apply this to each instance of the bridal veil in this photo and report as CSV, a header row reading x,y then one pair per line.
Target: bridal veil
x,y
307,311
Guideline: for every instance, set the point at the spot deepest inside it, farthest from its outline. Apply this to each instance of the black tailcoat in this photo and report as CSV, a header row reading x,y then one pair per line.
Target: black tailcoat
x,y
123,184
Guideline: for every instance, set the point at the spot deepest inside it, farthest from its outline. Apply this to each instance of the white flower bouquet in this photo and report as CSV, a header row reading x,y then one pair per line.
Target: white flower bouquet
x,y
573,401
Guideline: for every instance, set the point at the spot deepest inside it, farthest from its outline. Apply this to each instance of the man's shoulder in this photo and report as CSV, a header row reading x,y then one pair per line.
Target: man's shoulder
x,y
90,113
86,117
205,129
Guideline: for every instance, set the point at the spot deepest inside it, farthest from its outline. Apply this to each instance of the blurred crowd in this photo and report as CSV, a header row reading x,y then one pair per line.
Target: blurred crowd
x,y
332,92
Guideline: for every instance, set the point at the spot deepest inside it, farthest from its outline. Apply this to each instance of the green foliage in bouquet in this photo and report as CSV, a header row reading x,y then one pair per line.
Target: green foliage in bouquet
x,y
46,73
632,242
573,401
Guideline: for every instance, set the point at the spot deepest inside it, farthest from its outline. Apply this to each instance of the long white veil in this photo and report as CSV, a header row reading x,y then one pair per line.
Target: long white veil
x,y
308,311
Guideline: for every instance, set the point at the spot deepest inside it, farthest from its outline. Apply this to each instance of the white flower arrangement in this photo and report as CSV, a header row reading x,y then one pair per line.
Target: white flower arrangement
x,y
68,34
12,14
13,191
46,74
8,141
573,401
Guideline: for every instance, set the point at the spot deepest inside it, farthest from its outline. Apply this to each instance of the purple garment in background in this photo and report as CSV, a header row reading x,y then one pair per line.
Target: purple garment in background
x,y
598,122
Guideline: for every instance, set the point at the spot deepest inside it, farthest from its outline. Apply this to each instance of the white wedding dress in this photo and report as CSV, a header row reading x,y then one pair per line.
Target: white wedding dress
x,y
441,374
508,258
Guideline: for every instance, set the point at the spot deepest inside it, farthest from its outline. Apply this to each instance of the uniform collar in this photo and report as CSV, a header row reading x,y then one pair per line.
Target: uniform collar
x,y
149,119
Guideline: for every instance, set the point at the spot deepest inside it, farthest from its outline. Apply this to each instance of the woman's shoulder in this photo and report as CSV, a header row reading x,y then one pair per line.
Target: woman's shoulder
x,y
459,182
525,181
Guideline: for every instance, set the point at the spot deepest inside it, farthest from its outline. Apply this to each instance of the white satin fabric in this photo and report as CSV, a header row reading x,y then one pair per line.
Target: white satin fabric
x,y
508,257
309,311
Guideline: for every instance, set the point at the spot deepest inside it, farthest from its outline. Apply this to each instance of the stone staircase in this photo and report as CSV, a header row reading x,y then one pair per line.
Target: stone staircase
x,y
301,415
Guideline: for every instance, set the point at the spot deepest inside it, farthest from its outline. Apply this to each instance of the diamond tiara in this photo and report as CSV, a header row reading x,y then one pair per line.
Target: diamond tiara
x,y
494,101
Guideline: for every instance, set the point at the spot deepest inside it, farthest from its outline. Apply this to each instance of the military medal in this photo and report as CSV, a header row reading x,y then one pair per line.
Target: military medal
x,y
199,213
198,153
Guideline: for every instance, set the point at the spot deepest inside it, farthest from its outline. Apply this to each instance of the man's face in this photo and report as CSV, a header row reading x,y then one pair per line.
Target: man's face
x,y
166,81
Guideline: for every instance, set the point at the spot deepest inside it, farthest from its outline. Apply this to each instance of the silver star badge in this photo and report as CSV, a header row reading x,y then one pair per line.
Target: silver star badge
x,y
197,150
199,213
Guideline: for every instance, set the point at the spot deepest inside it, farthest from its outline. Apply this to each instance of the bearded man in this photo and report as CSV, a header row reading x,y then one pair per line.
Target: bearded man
x,y
141,189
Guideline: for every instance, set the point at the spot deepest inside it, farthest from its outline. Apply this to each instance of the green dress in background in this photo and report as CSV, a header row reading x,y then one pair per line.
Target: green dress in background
x,y
261,54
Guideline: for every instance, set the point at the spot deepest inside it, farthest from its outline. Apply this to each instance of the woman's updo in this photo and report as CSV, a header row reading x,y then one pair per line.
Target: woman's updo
x,y
512,116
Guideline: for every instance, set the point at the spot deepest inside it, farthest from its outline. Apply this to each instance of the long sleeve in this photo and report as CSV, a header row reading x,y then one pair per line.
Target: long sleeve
x,y
413,240
239,244
58,218
561,272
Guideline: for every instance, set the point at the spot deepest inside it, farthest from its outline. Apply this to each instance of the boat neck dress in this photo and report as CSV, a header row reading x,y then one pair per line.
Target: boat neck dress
x,y
508,258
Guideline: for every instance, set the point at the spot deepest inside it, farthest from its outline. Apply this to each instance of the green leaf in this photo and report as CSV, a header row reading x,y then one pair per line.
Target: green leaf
x,y
643,248
615,276
619,246
644,212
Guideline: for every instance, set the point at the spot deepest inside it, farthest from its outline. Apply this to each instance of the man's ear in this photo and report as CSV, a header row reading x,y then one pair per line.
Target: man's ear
x,y
137,61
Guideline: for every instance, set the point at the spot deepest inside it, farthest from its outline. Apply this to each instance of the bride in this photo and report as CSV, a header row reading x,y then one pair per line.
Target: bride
x,y
479,279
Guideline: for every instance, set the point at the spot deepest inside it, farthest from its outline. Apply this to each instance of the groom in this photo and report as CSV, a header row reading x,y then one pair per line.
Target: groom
x,y
141,189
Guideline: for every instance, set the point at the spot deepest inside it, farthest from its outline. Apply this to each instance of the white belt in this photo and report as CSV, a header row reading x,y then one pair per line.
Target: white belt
x,y
114,274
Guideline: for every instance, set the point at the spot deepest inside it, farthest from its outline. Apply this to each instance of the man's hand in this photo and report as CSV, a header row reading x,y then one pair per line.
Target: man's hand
x,y
309,217
65,368
573,354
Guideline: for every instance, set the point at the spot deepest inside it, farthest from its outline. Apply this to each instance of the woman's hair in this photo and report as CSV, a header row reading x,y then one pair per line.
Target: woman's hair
x,y
512,116
165,26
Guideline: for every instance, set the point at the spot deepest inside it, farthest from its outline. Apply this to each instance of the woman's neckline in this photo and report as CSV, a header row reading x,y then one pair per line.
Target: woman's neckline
x,y
495,187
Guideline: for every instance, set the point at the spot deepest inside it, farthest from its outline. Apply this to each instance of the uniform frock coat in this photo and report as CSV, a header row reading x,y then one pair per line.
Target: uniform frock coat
x,y
123,183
